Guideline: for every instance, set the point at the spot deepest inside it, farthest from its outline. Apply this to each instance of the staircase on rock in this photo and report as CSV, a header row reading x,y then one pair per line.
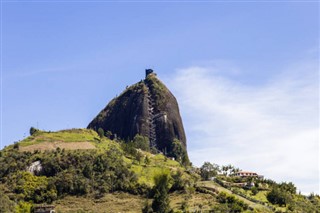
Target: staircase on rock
x,y
151,119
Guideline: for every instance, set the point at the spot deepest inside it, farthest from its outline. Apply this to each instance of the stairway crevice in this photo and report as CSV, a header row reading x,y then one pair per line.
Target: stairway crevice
x,y
151,119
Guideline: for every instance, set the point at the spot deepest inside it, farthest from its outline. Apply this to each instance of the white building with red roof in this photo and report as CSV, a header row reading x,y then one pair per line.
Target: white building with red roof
x,y
247,174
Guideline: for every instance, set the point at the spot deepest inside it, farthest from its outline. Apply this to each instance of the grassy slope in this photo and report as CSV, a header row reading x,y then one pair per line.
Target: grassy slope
x,y
158,164
211,184
65,139
123,202
72,135
79,137
115,202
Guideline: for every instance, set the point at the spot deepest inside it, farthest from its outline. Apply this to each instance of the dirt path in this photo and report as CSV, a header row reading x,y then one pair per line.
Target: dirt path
x,y
53,145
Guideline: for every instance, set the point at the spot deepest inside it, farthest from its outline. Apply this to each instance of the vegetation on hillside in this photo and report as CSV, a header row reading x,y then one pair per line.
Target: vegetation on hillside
x,y
72,135
277,197
158,89
115,171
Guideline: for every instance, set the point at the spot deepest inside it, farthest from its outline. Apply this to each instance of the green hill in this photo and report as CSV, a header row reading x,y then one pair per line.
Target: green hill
x,y
79,171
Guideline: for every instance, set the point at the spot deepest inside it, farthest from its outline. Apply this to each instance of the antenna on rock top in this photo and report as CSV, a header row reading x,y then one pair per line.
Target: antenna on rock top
x,y
148,71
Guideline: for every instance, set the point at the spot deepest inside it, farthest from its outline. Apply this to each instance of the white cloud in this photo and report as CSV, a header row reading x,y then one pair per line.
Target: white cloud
x,y
271,128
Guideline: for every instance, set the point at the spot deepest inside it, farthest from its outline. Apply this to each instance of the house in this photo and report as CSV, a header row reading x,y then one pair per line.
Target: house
x,y
248,174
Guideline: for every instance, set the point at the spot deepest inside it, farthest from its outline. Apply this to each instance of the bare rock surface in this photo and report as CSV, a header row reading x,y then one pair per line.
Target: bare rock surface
x,y
147,108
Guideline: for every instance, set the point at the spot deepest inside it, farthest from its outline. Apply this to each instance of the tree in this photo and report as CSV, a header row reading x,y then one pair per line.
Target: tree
x,y
129,148
229,169
179,152
161,198
278,196
100,132
33,130
141,142
208,170
234,170
288,187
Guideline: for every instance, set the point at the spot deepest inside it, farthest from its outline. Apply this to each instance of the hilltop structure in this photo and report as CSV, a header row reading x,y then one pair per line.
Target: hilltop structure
x,y
247,174
146,108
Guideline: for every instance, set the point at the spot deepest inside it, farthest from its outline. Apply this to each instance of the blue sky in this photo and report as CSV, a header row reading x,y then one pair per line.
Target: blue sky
x,y
246,74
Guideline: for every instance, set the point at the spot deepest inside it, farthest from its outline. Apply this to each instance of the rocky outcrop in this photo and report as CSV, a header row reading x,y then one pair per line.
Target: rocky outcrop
x,y
147,108
35,168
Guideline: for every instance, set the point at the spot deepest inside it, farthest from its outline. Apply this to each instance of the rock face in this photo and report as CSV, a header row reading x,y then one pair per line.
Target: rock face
x,y
147,108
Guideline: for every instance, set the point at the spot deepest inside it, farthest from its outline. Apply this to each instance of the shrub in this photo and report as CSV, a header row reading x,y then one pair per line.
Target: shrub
x,y
288,187
16,145
108,134
232,202
146,160
147,207
6,204
180,182
33,188
100,132
138,157
33,130
141,142
254,190
278,196
129,148
179,153
24,207
161,202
